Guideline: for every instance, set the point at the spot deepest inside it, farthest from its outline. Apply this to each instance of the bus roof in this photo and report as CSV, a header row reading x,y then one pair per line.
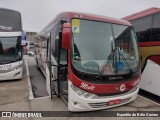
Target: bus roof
x,y
88,16
10,20
141,14
10,10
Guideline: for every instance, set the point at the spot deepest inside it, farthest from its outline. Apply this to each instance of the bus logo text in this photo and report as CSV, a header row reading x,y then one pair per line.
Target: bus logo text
x,y
86,86
6,28
2,67
116,78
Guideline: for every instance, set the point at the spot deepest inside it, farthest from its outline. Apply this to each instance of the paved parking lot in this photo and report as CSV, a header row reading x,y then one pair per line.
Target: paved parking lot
x,y
14,96
37,78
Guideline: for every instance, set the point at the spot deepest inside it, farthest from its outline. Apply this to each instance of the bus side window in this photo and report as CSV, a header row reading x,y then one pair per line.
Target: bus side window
x,y
143,28
156,28
54,44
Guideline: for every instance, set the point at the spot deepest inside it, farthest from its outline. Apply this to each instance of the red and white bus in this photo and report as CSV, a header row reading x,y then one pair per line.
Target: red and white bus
x,y
147,28
92,62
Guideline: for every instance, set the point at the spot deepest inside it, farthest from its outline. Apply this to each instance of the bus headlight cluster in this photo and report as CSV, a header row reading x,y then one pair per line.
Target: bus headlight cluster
x,y
15,67
81,92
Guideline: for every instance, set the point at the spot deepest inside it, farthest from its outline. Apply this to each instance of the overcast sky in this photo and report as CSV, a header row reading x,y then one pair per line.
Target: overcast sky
x,y
36,14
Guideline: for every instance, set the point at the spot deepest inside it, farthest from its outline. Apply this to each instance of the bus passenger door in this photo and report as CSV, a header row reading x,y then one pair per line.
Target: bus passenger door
x,y
62,66
63,75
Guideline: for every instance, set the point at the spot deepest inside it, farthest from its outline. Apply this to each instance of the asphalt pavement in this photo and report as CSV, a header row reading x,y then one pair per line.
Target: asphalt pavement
x,y
37,78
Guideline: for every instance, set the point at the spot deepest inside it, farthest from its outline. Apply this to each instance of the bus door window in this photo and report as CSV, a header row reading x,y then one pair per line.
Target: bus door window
x,y
53,58
54,48
63,53
62,61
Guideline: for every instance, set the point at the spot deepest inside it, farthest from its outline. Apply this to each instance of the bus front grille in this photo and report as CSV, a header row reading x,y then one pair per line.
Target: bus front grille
x,y
106,104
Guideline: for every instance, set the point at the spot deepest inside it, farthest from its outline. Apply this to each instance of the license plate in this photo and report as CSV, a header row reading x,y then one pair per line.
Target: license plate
x,y
114,102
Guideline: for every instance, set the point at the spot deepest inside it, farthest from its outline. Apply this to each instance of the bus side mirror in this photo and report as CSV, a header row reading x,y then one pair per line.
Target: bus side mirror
x,y
66,36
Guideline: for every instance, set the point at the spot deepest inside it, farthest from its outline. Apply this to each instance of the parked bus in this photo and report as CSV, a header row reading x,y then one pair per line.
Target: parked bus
x,y
11,63
92,62
147,27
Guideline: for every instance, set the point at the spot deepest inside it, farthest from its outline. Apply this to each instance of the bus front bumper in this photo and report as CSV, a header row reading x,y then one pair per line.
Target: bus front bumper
x,y
77,103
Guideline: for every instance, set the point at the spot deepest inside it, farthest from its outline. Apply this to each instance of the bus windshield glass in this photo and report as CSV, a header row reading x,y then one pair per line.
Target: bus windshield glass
x,y
98,46
10,48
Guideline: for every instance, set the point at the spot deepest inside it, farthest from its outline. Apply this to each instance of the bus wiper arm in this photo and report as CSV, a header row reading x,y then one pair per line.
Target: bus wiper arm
x,y
106,63
130,69
114,54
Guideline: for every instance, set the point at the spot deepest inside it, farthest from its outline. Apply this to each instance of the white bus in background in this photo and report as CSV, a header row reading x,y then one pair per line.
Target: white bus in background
x,y
11,62
150,78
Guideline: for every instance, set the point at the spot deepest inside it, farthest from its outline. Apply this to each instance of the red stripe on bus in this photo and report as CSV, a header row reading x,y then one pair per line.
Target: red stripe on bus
x,y
155,59
102,88
146,44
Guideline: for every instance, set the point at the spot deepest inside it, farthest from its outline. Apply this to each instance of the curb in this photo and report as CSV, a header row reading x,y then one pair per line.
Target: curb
x,y
29,83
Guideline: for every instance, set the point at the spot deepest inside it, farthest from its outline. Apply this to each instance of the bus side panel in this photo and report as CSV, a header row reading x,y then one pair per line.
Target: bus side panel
x,y
150,82
147,52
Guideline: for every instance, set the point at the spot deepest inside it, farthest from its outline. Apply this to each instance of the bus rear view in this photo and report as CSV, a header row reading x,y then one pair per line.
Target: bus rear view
x,y
10,45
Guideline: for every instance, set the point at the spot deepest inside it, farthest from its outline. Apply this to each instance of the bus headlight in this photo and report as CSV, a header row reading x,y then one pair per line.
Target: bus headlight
x,y
15,67
81,92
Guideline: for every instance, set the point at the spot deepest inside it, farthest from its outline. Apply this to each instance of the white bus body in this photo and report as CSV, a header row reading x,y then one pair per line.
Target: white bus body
x,y
11,62
150,78
11,71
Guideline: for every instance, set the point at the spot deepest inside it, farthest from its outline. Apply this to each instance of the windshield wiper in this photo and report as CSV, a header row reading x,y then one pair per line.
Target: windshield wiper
x,y
114,55
130,69
105,63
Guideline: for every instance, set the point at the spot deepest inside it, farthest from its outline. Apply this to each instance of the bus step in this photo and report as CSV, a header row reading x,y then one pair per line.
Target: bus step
x,y
65,91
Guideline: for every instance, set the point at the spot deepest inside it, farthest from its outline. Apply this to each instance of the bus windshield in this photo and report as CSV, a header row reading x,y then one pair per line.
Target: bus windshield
x,y
98,45
10,48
